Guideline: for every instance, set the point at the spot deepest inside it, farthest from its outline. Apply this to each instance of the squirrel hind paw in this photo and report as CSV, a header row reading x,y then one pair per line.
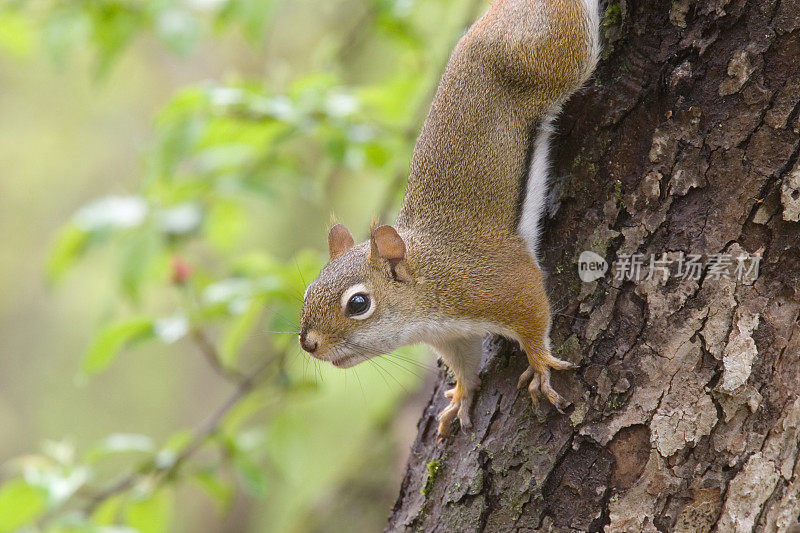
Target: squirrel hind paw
x,y
525,378
558,364
539,385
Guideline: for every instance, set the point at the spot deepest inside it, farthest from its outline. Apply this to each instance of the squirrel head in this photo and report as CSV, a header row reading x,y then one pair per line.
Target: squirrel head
x,y
360,296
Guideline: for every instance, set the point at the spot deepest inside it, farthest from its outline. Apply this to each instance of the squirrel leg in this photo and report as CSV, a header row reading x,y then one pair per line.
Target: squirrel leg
x,y
462,357
532,327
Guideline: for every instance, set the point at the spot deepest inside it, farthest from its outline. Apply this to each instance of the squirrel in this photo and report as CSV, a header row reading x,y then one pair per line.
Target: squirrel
x,y
460,261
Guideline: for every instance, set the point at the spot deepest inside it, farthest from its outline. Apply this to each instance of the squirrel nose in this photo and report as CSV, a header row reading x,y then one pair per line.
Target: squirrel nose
x,y
308,344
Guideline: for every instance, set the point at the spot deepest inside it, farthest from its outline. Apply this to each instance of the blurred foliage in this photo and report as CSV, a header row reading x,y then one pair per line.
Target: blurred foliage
x,y
222,152
109,26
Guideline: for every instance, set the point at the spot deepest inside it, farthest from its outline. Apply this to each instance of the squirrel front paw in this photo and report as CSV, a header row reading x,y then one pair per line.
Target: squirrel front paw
x,y
460,403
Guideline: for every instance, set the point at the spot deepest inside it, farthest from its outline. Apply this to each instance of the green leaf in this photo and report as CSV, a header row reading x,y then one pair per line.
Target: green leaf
x,y
113,338
376,154
301,270
108,512
254,263
65,28
211,483
16,34
252,16
151,515
113,25
226,224
248,407
390,101
20,504
303,386
239,331
178,440
168,453
253,476
70,244
139,260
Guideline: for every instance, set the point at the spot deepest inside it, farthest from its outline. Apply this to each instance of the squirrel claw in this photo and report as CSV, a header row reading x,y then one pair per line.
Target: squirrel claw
x,y
463,416
553,397
525,378
534,390
445,419
459,406
559,403
540,385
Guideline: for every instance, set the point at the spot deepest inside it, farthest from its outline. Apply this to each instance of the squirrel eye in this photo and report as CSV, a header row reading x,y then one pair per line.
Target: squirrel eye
x,y
358,304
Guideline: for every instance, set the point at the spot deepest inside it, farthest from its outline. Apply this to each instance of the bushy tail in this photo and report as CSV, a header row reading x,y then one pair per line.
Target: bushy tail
x,y
533,207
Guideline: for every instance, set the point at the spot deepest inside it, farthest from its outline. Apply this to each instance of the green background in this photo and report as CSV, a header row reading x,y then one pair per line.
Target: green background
x,y
218,135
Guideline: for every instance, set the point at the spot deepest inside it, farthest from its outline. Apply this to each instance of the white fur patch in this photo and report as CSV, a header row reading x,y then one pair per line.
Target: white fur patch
x,y
533,208
538,183
593,15
432,331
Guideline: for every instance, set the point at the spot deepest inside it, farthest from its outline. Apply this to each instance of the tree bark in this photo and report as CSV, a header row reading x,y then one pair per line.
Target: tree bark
x,y
685,411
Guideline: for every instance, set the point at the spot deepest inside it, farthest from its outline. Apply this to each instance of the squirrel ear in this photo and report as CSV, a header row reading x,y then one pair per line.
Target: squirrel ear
x,y
387,244
339,240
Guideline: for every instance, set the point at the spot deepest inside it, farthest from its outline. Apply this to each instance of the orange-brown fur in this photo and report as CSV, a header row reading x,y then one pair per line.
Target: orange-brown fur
x,y
463,264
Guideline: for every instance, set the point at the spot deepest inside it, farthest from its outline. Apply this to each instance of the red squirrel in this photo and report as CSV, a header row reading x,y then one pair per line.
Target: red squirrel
x,y
460,260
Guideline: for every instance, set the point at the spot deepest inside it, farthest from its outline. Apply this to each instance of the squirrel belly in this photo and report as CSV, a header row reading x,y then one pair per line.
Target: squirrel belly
x,y
460,261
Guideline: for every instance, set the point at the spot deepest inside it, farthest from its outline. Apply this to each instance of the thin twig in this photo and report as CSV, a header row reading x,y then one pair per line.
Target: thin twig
x,y
201,434
211,354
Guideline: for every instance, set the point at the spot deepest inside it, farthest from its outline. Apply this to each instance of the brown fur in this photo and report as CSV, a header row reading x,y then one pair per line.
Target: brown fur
x,y
459,258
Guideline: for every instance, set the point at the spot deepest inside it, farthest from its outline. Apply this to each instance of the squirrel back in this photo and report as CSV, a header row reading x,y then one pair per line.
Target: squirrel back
x,y
481,159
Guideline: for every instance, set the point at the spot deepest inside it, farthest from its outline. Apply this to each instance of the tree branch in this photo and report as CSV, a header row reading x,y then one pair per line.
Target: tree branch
x,y
201,434
245,384
211,354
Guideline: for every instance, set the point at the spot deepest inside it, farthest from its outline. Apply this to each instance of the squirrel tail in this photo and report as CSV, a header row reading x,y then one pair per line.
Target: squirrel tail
x,y
536,190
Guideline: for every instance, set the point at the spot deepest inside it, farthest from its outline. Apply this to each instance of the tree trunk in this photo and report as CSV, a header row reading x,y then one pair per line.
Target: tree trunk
x,y
685,412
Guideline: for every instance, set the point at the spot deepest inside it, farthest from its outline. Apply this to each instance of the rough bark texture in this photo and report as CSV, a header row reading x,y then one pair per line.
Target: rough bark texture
x,y
685,412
